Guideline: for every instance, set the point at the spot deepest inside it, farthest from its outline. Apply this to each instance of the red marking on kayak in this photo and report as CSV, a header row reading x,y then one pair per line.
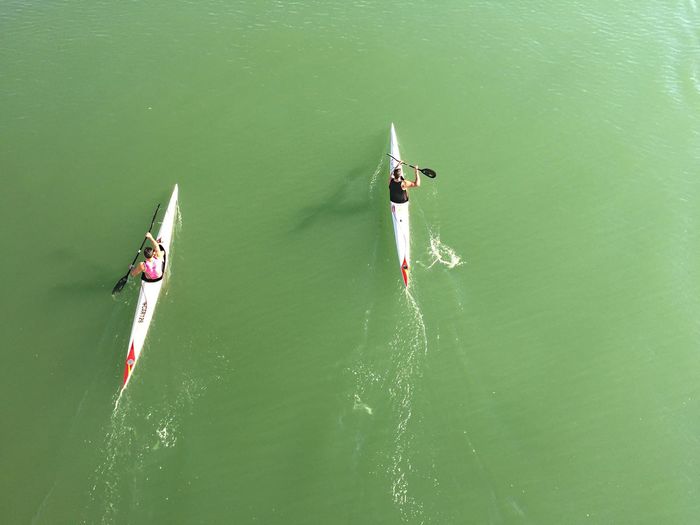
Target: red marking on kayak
x,y
130,362
404,271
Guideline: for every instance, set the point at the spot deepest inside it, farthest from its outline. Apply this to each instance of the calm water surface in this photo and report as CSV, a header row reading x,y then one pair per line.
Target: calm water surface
x,y
543,366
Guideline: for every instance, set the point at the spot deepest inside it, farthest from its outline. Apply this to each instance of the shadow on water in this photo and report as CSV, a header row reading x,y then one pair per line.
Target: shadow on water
x,y
347,199
80,276
353,194
83,287
74,275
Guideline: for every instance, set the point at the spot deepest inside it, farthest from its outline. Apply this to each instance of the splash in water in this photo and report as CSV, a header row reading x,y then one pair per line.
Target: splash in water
x,y
443,254
360,405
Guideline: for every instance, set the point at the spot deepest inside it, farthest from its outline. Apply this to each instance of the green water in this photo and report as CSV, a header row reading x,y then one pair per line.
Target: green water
x,y
543,368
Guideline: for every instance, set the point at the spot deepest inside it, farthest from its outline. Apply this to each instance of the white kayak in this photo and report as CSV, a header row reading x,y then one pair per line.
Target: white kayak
x,y
399,215
148,296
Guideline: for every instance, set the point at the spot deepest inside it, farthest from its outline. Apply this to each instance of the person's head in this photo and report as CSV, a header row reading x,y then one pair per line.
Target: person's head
x,y
396,173
148,252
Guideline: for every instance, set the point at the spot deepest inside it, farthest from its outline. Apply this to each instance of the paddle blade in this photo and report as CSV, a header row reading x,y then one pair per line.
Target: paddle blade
x,y
120,285
428,172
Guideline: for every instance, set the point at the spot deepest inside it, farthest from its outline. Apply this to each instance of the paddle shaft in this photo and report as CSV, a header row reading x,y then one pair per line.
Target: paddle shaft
x,y
153,220
425,171
144,242
400,161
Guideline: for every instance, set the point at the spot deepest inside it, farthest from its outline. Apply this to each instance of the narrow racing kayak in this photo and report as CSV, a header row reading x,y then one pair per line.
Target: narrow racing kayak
x,y
148,296
399,215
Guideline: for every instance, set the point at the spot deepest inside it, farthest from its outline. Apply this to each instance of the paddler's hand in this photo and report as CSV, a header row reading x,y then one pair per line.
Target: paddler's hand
x,y
149,236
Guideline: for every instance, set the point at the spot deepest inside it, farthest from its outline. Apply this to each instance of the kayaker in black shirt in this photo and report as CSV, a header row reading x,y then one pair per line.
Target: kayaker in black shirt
x,y
398,186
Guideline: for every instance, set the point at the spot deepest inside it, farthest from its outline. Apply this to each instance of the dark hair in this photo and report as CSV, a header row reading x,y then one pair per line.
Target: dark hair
x,y
397,172
148,252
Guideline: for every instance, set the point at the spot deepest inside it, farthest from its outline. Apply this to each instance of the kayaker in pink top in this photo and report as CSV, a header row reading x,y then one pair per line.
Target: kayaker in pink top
x,y
153,265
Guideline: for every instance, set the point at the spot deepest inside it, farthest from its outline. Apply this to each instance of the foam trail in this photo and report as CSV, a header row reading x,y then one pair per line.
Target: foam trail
x,y
132,439
116,403
104,490
408,346
399,377
375,176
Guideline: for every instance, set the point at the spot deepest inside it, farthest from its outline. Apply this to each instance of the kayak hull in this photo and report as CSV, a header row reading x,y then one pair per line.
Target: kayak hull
x,y
149,292
400,218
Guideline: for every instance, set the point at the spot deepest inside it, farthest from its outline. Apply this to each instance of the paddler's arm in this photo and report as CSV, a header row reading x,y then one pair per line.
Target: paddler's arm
x,y
156,248
415,183
135,270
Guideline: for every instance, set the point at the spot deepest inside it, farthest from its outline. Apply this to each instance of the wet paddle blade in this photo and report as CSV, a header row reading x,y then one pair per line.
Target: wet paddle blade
x,y
428,172
120,285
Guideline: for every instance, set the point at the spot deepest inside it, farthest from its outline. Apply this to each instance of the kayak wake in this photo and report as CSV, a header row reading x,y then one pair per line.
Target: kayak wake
x,y
408,348
136,439
387,381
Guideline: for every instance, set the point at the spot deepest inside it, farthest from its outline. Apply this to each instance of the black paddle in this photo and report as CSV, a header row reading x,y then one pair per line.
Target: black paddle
x,y
425,171
120,284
